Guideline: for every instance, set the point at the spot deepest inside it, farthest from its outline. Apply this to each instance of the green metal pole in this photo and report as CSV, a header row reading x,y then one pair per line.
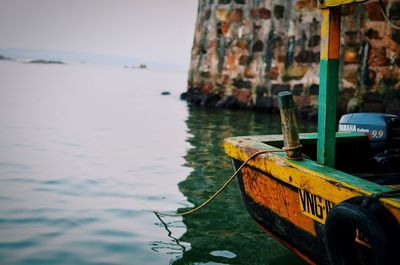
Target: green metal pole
x,y
328,87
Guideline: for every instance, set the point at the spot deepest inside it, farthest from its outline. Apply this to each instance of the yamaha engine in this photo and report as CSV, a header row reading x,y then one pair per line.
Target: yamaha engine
x,y
383,132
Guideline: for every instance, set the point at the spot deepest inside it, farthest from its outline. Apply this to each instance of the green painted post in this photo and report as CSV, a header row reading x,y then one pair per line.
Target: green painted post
x,y
328,87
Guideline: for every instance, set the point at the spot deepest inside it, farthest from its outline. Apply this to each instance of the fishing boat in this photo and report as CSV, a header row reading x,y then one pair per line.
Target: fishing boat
x,y
330,197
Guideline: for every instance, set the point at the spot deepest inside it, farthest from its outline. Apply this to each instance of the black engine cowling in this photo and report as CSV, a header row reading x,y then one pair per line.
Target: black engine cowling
x,y
383,132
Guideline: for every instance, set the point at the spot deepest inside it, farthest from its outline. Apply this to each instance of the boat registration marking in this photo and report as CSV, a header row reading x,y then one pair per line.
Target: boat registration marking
x,y
317,208
314,206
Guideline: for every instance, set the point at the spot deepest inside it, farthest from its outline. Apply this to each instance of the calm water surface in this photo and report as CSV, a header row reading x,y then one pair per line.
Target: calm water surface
x,y
86,151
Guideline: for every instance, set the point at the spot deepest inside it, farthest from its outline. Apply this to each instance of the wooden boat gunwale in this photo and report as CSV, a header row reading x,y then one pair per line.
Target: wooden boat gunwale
x,y
329,183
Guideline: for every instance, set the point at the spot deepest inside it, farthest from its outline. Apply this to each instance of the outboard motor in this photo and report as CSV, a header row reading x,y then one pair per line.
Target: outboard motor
x,y
383,132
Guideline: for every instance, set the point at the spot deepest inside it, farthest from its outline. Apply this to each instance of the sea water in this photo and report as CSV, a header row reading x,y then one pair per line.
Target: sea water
x,y
87,151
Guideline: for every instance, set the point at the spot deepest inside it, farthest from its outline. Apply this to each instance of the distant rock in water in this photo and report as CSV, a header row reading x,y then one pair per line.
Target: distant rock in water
x,y
140,66
165,93
46,61
2,57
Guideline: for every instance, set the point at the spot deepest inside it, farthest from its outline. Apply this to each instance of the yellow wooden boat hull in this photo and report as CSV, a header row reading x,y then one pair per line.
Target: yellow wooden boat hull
x,y
291,200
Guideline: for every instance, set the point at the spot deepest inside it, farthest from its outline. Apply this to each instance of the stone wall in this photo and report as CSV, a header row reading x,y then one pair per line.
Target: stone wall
x,y
246,51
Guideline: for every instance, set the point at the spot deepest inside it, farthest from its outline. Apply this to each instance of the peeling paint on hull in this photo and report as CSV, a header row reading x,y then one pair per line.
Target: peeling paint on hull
x,y
290,200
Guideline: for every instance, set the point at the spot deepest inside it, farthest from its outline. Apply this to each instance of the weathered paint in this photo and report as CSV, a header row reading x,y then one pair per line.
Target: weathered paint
x,y
289,127
300,241
328,90
282,199
291,199
293,249
328,183
330,33
327,112
314,206
286,244
331,3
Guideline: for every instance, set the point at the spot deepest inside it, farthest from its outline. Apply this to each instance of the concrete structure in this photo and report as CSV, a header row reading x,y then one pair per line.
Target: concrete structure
x,y
247,51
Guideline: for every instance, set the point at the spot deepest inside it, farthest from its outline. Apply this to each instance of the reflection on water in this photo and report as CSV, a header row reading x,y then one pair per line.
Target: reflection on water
x,y
223,232
85,152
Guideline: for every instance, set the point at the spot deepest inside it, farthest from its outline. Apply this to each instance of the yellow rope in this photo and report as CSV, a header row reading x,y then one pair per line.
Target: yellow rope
x,y
227,182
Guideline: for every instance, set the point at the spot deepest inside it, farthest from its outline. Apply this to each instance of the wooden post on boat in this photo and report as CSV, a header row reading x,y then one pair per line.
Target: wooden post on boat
x,y
290,130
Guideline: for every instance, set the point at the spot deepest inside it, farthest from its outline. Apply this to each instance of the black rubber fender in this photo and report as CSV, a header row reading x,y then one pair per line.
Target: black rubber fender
x,y
377,224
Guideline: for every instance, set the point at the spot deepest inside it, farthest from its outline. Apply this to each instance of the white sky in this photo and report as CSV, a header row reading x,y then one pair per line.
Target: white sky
x,y
156,30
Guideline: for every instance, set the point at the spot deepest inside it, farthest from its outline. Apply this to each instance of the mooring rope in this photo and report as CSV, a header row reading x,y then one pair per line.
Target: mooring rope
x,y
205,203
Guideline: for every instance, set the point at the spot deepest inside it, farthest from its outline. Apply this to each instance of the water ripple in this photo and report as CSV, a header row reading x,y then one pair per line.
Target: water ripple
x,y
20,180
123,212
70,223
54,257
58,222
24,221
15,166
114,233
18,244
109,247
